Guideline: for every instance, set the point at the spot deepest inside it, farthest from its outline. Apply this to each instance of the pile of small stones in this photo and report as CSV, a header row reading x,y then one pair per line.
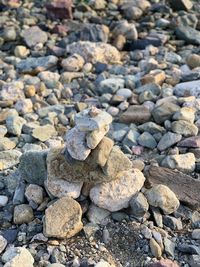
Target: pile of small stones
x,y
99,133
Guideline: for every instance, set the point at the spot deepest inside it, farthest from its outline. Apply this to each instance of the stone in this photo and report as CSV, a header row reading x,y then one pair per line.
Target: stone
x,y
181,5
182,162
124,92
60,188
43,112
95,52
33,168
196,234
3,130
164,112
63,218
161,196
115,195
117,162
188,34
23,214
14,124
131,138
126,29
151,127
169,247
154,76
24,106
135,114
185,89
190,142
76,144
193,61
94,33
97,215
111,85
12,91
74,62
59,9
131,12
188,249
3,243
43,133
184,128
102,263
139,205
93,138
34,193
34,65
9,158
164,263
21,51
55,265
92,119
17,256
6,144
34,35
3,200
169,139
186,114
147,140
172,222
155,248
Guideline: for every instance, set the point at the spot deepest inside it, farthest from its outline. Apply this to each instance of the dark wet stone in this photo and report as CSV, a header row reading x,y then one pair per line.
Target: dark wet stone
x,y
10,235
142,44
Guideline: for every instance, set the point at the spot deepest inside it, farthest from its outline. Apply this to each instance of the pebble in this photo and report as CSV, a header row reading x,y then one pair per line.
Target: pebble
x,y
155,248
169,139
147,140
14,256
3,200
23,214
3,243
34,193
43,133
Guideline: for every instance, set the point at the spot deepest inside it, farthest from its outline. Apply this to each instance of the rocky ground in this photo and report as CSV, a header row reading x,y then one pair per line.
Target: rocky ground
x,y
116,186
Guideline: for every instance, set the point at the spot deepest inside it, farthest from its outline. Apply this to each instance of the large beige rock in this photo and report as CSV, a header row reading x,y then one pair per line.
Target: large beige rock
x,y
60,166
115,195
117,162
17,257
161,196
63,218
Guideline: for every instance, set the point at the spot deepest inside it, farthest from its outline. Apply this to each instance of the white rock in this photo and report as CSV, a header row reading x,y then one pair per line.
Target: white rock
x,y
24,106
3,243
73,63
17,257
76,144
3,201
188,89
93,138
115,195
161,196
34,193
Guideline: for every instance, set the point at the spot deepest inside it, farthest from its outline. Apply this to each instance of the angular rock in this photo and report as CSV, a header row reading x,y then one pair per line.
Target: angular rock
x,y
94,33
9,158
34,35
169,139
126,29
185,128
3,200
73,63
23,214
151,127
135,114
59,9
116,162
185,89
181,5
96,215
76,144
34,193
164,112
116,195
63,218
188,34
111,85
139,205
131,138
186,114
34,65
161,196
12,91
6,144
17,256
155,248
43,133
14,124
93,138
3,243
193,141
147,140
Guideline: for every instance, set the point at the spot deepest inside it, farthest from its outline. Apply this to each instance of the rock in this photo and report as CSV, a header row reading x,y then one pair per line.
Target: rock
x,y
94,33
154,76
9,158
101,153
185,128
6,144
193,61
111,85
185,89
3,243
73,63
151,127
95,52
116,162
12,91
14,124
96,215
3,200
164,112
126,29
93,138
186,114
164,263
63,218
181,5
43,133
24,106
172,222
34,35
3,130
147,140
155,248
34,65
102,263
131,138
60,188
161,196
34,193
139,205
92,119
21,51
135,114
188,34
188,249
9,34
33,167
169,247
169,139
196,234
182,162
76,144
131,12
23,214
18,197
124,92
59,9
116,195
17,256
55,265
193,141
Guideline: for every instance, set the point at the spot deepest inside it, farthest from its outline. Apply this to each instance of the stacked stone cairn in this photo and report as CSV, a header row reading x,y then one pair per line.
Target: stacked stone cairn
x,y
92,163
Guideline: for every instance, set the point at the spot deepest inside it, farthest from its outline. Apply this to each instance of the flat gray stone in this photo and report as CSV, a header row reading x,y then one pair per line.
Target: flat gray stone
x,y
169,139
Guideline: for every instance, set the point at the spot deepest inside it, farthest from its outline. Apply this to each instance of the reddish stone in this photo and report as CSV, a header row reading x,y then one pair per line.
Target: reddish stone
x,y
60,29
137,150
164,263
193,141
59,9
